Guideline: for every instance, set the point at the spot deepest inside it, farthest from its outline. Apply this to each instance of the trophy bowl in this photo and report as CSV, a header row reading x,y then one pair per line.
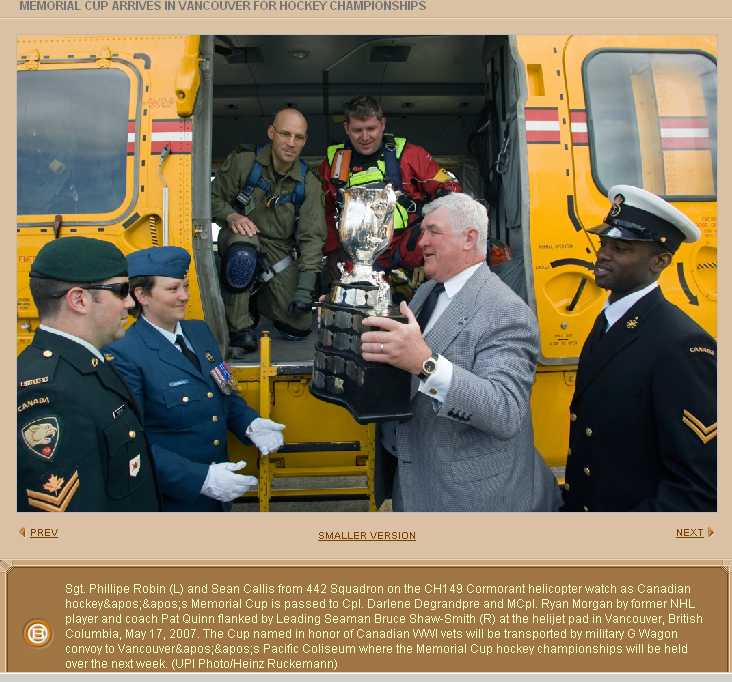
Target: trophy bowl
x,y
371,391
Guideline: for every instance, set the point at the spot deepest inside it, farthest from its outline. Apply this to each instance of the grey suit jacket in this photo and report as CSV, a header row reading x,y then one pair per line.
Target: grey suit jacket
x,y
475,451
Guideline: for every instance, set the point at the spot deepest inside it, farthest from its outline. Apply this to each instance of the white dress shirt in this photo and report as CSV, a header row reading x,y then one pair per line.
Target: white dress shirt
x,y
92,349
438,383
614,311
171,336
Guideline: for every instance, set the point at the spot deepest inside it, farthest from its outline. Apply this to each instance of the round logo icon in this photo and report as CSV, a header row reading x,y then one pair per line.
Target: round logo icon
x,y
37,633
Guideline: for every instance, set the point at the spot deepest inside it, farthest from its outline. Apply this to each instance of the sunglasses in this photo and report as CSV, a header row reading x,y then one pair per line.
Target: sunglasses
x,y
119,289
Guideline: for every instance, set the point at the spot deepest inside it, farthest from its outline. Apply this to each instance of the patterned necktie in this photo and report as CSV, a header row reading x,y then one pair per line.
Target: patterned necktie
x,y
189,354
428,307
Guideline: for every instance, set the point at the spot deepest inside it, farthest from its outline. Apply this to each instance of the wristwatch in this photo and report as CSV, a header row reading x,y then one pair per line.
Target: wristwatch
x,y
428,367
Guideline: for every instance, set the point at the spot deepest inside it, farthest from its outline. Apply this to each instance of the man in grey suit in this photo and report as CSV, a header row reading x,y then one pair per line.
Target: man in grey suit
x,y
472,349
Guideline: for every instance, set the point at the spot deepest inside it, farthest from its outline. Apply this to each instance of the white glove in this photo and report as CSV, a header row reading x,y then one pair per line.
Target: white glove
x,y
223,484
266,435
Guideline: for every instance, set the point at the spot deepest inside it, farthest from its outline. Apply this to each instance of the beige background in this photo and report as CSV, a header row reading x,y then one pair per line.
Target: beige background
x,y
294,537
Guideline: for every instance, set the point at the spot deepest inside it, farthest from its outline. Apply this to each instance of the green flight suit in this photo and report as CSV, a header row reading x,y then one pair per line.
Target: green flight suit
x,y
277,235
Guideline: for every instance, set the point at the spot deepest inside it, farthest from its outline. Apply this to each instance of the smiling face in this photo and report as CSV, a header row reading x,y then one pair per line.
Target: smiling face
x,y
625,266
288,134
446,252
165,304
365,134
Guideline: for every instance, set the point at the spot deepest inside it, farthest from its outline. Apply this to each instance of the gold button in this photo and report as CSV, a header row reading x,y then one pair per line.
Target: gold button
x,y
185,398
217,442
585,508
433,391
215,418
566,486
588,432
131,434
47,353
209,395
572,417
587,471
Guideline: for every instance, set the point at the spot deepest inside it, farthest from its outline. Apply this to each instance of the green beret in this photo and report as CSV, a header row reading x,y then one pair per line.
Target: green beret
x,y
79,259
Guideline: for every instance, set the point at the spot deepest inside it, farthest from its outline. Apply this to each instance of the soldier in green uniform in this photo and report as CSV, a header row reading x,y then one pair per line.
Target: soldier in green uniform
x,y
269,206
81,445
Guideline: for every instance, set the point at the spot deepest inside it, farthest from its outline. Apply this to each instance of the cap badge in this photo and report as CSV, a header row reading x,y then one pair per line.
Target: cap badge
x,y
618,201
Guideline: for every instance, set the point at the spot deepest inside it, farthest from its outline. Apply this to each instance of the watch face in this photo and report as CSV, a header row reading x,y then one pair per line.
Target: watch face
x,y
429,366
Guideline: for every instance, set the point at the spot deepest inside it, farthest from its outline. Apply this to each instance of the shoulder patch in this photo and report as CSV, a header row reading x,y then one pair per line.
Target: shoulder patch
x,y
33,402
56,495
703,432
41,436
702,349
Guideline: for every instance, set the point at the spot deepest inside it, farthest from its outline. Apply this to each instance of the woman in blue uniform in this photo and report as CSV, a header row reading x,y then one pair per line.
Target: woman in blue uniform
x,y
175,370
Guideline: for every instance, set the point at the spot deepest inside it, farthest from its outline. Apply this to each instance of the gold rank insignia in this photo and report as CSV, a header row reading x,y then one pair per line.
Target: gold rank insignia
x,y
94,362
58,493
108,357
632,324
210,357
703,432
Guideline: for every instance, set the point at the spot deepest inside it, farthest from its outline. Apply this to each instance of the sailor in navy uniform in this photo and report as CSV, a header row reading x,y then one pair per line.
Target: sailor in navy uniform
x,y
643,419
187,393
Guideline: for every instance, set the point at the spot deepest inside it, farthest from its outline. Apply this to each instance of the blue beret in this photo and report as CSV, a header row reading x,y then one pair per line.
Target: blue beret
x,y
164,261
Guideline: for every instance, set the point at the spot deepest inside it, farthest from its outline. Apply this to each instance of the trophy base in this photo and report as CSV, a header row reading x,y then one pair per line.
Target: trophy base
x,y
370,391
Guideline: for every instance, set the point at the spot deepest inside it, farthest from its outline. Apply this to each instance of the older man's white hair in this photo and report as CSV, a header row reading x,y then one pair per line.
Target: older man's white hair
x,y
464,212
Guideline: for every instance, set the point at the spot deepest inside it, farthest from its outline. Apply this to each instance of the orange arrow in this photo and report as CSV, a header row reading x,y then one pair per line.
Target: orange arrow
x,y
22,532
710,531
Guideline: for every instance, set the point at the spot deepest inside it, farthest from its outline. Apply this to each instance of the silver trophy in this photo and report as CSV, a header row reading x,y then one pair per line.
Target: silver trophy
x,y
365,226
370,391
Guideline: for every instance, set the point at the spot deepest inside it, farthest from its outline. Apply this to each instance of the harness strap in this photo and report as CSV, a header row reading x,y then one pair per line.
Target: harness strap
x,y
278,267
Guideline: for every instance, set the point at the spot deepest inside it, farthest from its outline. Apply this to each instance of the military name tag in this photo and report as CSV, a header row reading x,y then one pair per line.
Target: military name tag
x,y
224,378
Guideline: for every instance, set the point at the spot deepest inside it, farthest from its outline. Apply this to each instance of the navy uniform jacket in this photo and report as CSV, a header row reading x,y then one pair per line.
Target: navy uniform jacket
x,y
81,446
643,420
185,413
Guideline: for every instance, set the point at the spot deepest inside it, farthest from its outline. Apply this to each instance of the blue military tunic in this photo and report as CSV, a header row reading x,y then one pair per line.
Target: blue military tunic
x,y
186,414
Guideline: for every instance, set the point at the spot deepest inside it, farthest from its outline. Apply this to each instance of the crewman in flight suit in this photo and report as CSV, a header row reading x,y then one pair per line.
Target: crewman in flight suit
x,y
269,206
81,444
371,157
186,392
